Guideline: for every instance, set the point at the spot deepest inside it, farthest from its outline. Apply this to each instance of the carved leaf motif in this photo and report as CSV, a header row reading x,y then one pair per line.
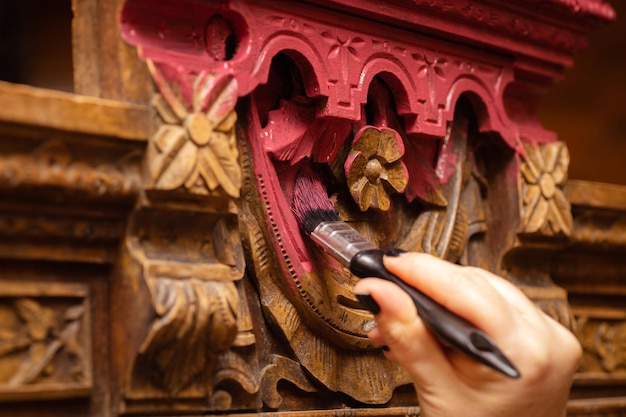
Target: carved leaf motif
x,y
285,130
604,343
11,342
196,319
39,320
47,338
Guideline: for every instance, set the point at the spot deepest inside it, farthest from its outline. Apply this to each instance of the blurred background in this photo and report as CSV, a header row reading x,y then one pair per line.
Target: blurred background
x,y
587,108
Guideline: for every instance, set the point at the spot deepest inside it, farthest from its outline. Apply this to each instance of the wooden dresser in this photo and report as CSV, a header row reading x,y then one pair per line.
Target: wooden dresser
x,y
149,260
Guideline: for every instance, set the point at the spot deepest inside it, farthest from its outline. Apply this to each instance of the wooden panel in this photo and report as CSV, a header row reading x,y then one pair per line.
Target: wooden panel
x,y
45,341
105,66
52,109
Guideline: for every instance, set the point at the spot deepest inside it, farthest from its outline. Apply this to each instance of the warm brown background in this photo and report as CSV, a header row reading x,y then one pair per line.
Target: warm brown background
x,y
587,109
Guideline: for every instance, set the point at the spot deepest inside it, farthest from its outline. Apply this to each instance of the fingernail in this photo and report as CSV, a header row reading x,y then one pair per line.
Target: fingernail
x,y
369,325
369,303
394,251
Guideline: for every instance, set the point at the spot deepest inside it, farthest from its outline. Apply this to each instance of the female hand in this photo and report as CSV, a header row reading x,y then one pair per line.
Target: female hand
x,y
448,383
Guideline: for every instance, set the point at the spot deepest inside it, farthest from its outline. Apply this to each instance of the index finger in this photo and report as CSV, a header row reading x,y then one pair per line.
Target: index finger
x,y
489,302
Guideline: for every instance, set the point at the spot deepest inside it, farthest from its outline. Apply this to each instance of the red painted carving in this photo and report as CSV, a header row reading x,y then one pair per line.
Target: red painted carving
x,y
337,61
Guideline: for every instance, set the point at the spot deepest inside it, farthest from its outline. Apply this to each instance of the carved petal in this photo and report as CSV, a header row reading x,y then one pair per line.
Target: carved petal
x,y
221,100
168,93
173,167
551,155
362,193
533,164
559,174
367,141
390,146
531,195
202,180
380,198
355,167
222,158
537,217
562,213
397,177
560,170
164,110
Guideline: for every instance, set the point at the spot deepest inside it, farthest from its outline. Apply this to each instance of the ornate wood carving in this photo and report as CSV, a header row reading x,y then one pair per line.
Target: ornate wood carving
x,y
591,269
419,118
417,141
45,348
195,148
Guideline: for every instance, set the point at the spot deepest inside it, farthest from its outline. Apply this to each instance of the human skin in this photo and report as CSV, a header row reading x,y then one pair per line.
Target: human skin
x,y
448,383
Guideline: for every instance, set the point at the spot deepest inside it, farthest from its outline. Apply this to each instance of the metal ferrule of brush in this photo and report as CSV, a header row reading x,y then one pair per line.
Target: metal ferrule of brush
x,y
340,241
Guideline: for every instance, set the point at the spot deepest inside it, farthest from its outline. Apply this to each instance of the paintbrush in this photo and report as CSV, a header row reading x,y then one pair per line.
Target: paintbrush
x,y
319,220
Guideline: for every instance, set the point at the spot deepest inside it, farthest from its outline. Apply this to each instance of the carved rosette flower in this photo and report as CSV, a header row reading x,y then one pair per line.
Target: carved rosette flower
x,y
195,148
543,205
373,168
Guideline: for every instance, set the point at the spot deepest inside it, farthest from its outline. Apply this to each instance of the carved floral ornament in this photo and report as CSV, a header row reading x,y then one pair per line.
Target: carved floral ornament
x,y
374,169
44,341
195,147
544,209
604,343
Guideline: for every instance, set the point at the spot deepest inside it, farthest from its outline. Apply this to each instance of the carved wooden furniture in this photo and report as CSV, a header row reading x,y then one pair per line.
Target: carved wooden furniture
x,y
150,261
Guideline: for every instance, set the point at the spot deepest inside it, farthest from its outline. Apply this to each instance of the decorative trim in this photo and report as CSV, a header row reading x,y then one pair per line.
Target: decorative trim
x,y
45,341
52,166
337,63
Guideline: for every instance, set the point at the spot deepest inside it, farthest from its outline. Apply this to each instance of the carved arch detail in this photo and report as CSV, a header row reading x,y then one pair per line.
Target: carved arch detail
x,y
341,60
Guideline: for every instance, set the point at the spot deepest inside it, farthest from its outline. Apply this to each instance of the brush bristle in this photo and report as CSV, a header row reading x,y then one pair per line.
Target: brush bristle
x,y
311,204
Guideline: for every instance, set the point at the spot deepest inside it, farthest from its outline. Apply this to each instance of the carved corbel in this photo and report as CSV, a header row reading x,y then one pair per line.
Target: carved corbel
x,y
182,255
545,224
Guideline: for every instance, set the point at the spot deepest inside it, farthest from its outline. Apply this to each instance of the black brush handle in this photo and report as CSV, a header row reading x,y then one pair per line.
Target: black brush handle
x,y
450,328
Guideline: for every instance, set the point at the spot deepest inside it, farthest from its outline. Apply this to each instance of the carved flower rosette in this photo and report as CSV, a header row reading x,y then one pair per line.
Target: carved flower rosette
x,y
373,168
195,150
544,209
